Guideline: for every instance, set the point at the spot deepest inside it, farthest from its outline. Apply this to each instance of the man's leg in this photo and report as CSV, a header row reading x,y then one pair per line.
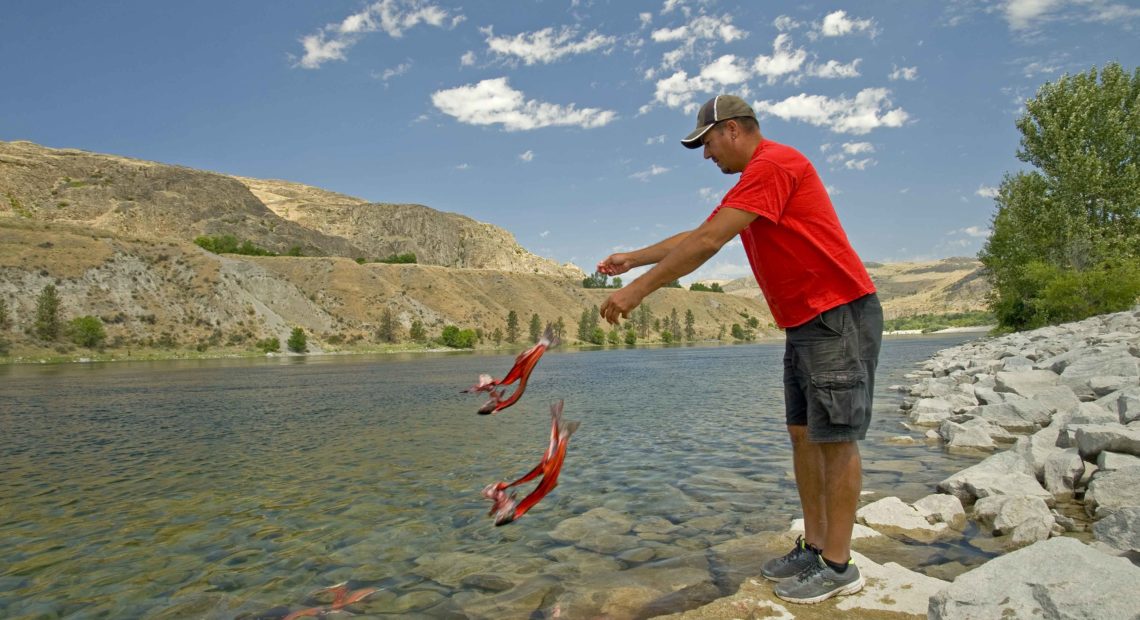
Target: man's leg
x,y
842,481
808,465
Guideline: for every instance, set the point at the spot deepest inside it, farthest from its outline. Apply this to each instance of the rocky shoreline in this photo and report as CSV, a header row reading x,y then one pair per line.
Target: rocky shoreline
x,y
1059,409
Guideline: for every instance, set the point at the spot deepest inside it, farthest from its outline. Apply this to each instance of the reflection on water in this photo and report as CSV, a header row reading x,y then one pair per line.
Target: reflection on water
x,y
236,488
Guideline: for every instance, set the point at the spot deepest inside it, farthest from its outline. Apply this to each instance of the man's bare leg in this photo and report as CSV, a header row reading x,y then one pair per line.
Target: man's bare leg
x,y
808,465
842,481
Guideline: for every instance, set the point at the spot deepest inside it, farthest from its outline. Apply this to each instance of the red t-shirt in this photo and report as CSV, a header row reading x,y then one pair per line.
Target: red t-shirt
x,y
798,251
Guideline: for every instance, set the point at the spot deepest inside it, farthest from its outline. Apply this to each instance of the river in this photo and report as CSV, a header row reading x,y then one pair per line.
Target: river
x,y
235,488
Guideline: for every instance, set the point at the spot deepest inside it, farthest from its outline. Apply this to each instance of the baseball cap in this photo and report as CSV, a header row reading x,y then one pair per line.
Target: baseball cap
x,y
719,108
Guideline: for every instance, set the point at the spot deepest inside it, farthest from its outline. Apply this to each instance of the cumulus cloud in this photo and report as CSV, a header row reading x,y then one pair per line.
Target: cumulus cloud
x,y
783,61
493,101
837,24
700,29
973,231
835,69
660,139
986,191
653,171
859,164
547,45
467,59
527,155
1025,17
868,110
903,73
784,23
394,17
679,90
710,195
396,71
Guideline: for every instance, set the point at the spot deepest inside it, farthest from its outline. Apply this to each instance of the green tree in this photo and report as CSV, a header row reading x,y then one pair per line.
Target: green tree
x,y
298,342
1066,235
595,280
598,335
512,327
47,325
87,331
675,324
417,332
667,337
614,336
644,318
630,337
690,321
458,338
269,345
535,327
584,326
559,328
388,327
5,321
497,336
616,283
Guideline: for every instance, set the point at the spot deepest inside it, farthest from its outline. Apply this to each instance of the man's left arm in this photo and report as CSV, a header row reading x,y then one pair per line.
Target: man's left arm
x,y
699,246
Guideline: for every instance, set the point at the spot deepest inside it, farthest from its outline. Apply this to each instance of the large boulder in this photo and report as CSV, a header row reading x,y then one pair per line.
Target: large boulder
x,y
1111,491
1025,519
1116,362
972,434
1093,439
1124,403
1017,414
1056,578
1063,470
893,517
1108,461
942,508
1120,530
1027,382
1005,473
930,411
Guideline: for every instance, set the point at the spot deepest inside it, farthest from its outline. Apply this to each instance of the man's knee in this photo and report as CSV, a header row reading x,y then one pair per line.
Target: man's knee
x,y
799,434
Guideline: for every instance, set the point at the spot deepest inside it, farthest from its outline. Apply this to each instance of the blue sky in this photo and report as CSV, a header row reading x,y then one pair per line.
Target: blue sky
x,y
559,120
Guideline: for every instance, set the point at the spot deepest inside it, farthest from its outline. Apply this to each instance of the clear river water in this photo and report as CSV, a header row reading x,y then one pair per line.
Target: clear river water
x,y
237,488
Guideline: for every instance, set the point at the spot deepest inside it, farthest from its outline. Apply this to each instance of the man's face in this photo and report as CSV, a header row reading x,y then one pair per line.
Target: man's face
x,y
718,143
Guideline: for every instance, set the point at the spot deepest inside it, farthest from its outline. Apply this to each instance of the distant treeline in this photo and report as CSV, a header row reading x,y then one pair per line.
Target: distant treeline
x,y
935,322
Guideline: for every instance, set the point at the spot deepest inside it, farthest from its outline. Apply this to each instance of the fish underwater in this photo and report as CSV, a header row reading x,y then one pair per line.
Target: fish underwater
x,y
524,364
505,508
342,598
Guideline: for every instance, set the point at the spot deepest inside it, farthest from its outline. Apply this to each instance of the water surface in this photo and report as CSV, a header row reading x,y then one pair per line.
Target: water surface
x,y
235,488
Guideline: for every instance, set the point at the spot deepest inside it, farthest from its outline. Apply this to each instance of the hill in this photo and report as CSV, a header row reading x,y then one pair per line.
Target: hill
x,y
115,236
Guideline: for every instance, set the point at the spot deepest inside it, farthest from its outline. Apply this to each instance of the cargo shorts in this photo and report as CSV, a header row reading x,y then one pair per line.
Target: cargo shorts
x,y
829,370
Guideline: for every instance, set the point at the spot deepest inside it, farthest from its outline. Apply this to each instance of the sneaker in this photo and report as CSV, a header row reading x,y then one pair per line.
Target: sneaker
x,y
790,564
820,582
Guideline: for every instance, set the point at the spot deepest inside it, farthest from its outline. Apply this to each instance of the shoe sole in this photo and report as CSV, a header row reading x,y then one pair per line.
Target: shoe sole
x,y
850,588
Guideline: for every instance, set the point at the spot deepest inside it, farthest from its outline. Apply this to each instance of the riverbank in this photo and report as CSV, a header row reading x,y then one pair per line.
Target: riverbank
x,y
1057,411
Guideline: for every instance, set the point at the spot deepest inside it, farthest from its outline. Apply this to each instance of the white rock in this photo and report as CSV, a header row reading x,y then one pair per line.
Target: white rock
x,y
860,531
1110,491
891,515
890,589
1092,439
930,411
1124,403
942,508
1027,382
1108,461
1063,470
1026,519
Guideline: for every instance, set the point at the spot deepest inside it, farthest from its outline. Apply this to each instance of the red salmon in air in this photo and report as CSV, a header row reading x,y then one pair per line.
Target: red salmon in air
x,y
524,364
504,508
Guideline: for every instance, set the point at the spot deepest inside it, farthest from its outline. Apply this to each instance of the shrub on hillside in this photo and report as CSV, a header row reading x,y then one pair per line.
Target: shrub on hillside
x,y
87,331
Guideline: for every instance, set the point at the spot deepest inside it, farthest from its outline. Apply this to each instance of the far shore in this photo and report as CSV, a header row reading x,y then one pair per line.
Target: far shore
x,y
43,356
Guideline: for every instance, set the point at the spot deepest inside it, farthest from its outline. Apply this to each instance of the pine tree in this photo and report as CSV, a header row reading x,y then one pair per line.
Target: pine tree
x,y
690,320
47,325
417,332
535,327
388,326
512,327
298,342
560,327
4,320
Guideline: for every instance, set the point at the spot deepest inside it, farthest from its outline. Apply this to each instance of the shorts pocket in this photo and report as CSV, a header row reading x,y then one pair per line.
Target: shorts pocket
x,y
843,395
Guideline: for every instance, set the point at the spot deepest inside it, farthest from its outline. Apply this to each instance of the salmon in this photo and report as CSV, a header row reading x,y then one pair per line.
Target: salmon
x,y
504,507
524,364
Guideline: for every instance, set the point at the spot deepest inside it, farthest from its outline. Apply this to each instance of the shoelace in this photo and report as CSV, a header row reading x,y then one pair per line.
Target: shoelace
x,y
810,570
797,551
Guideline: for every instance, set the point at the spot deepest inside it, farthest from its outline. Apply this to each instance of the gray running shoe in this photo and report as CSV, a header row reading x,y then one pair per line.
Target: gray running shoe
x,y
790,564
820,582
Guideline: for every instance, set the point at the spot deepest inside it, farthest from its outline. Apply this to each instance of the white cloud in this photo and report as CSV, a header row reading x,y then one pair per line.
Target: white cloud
x,y
784,23
909,74
467,59
679,90
986,191
655,140
701,28
835,69
645,19
394,17
837,24
710,195
1022,14
859,164
527,155
858,148
396,71
463,166
493,101
973,231
784,59
869,110
547,45
653,171
544,234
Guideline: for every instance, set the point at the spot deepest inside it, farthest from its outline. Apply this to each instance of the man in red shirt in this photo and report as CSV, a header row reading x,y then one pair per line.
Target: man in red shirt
x,y
820,293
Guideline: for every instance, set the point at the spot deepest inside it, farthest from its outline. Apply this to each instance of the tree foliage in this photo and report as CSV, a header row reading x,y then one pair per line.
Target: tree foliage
x,y
47,325
417,332
228,244
388,327
710,288
5,321
535,327
1066,235
87,331
600,280
512,327
457,338
297,342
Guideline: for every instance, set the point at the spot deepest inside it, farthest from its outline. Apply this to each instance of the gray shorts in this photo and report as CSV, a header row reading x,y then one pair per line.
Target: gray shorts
x,y
829,370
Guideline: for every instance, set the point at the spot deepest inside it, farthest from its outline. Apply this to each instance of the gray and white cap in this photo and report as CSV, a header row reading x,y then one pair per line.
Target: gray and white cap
x,y
715,110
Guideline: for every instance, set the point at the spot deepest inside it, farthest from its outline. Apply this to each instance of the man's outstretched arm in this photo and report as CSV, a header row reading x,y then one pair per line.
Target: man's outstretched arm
x,y
687,254
621,262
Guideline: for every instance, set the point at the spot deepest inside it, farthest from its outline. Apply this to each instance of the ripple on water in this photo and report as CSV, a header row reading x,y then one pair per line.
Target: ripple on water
x,y
240,488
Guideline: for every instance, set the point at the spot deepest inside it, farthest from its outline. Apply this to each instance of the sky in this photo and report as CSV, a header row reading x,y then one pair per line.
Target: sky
x,y
560,120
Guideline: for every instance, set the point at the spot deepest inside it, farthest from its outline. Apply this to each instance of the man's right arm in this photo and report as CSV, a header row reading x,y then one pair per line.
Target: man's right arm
x,y
621,262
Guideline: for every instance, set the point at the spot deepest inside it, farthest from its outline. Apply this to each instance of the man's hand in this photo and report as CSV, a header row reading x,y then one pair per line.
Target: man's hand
x,y
616,264
620,304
